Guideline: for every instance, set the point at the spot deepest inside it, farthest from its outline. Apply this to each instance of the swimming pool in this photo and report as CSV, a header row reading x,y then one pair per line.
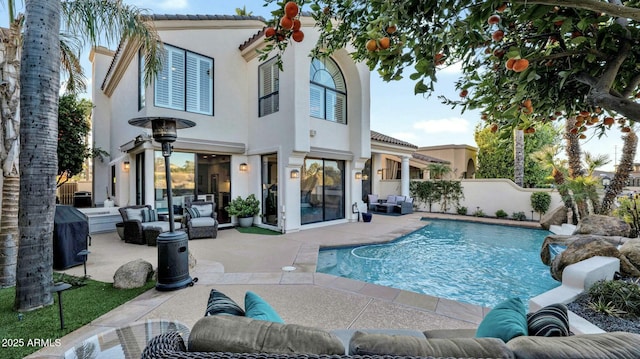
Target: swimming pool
x,y
476,263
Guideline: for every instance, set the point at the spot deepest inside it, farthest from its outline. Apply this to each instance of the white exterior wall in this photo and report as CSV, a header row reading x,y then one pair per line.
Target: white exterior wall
x,y
235,120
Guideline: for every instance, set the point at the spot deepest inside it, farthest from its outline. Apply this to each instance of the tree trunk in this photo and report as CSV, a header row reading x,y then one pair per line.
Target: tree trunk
x,y
40,81
518,157
622,172
10,116
574,152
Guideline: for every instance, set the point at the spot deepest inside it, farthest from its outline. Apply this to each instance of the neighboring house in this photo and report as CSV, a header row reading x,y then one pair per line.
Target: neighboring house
x,y
462,159
298,138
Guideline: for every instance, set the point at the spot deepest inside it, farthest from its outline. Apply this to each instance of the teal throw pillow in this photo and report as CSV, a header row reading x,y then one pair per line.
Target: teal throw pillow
x,y
257,308
505,321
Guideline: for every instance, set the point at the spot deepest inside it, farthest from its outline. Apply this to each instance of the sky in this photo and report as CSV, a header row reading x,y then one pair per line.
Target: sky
x,y
395,110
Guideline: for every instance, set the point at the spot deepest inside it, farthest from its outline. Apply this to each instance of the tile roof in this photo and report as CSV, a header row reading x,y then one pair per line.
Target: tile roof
x,y
426,158
159,17
377,136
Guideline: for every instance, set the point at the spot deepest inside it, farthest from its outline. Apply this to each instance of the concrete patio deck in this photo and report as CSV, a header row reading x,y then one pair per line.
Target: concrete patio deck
x,y
234,263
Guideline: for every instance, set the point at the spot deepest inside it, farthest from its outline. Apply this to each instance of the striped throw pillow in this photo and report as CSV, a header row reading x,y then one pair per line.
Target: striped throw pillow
x,y
149,215
193,212
550,321
220,304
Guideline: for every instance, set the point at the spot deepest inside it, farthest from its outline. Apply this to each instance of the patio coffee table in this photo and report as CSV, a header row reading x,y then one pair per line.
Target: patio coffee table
x,y
385,207
126,342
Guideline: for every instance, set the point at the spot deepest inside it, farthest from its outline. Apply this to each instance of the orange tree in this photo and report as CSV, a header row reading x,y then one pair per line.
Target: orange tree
x,y
523,62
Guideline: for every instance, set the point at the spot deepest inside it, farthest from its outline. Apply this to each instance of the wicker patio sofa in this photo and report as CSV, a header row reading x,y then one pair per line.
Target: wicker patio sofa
x,y
135,224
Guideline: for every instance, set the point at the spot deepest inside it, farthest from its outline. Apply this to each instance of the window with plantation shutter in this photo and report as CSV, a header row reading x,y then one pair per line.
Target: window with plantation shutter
x,y
328,93
185,82
268,91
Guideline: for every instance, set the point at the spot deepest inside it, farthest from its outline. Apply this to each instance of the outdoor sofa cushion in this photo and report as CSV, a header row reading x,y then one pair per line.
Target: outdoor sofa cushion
x,y
220,304
506,321
223,333
384,344
164,225
205,210
614,345
203,222
258,308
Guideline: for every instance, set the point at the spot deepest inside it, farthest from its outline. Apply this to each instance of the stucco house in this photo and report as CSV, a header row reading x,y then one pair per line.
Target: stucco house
x,y
298,138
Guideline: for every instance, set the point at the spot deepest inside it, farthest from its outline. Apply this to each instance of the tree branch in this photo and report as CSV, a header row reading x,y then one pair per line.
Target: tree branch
x,y
633,83
621,11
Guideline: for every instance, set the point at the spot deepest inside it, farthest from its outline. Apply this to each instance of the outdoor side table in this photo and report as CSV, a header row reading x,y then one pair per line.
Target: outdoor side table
x,y
151,235
59,288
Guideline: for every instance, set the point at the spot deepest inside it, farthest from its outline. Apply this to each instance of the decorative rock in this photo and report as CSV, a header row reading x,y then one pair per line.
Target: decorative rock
x,y
580,249
631,250
133,274
545,254
603,226
192,261
556,217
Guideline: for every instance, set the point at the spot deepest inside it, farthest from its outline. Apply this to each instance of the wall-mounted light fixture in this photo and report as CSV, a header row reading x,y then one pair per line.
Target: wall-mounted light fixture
x,y
380,171
243,167
126,165
358,175
295,174
365,177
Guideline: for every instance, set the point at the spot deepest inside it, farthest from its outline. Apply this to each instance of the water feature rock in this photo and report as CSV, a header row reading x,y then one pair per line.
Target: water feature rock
x,y
582,248
545,254
133,274
631,250
556,216
603,225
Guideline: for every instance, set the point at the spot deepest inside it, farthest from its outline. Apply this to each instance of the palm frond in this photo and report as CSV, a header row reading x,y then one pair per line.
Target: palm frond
x,y
97,21
70,64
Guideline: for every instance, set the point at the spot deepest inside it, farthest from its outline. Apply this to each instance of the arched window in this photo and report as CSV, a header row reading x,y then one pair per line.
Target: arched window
x,y
328,93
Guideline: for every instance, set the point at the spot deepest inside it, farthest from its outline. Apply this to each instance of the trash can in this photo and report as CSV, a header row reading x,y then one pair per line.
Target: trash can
x,y
173,261
366,216
82,199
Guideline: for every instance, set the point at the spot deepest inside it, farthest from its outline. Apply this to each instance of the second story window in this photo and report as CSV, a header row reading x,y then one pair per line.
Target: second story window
x,y
328,93
185,82
268,88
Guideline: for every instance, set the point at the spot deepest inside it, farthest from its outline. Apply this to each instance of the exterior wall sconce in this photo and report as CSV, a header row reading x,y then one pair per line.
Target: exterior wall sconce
x,y
380,171
295,174
126,166
243,167
358,175
365,177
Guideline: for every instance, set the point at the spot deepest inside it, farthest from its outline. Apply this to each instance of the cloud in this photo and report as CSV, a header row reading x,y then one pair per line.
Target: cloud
x,y
455,68
443,126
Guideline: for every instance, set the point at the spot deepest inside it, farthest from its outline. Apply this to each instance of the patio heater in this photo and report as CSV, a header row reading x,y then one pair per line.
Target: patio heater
x,y
173,253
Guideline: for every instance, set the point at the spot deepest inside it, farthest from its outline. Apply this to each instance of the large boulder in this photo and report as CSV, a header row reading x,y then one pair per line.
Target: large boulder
x,y
631,250
545,252
133,274
603,226
584,247
555,217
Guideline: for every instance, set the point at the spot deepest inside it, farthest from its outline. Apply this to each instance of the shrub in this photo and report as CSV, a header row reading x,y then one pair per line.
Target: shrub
x,y
519,216
462,210
478,213
501,214
616,297
248,207
540,201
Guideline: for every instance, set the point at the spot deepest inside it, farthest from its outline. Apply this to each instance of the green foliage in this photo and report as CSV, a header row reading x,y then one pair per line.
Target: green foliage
x,y
478,213
540,201
501,214
519,216
629,211
495,153
73,129
616,297
80,308
447,193
461,210
240,207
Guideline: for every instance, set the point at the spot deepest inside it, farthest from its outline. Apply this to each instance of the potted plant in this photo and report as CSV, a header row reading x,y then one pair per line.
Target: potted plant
x,y
244,209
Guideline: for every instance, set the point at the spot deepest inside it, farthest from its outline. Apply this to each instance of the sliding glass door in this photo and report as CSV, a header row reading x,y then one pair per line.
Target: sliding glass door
x,y
322,191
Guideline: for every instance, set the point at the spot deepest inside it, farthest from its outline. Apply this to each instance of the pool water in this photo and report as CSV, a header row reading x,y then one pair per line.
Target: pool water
x,y
475,263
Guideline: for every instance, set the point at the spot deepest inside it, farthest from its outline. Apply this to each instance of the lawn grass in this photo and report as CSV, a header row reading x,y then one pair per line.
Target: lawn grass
x,y
257,230
81,305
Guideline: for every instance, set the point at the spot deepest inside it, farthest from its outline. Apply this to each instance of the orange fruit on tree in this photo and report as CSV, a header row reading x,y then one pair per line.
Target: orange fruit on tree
x,y
438,59
464,93
296,25
372,45
297,36
502,7
493,19
509,63
291,9
608,121
626,129
384,43
585,113
497,35
286,23
391,29
527,103
582,136
494,128
520,65
269,32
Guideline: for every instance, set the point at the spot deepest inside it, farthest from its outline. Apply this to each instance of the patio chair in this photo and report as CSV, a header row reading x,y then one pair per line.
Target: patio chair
x,y
406,206
136,219
201,219
372,199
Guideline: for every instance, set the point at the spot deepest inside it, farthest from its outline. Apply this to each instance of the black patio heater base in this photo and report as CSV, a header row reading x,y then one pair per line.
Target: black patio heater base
x,y
173,261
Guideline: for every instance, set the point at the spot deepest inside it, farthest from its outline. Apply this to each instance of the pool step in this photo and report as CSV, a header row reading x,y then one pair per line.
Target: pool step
x,y
566,229
577,278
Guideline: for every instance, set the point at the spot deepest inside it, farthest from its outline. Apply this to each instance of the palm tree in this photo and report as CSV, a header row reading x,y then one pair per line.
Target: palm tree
x,y
518,157
438,170
88,20
622,172
243,11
